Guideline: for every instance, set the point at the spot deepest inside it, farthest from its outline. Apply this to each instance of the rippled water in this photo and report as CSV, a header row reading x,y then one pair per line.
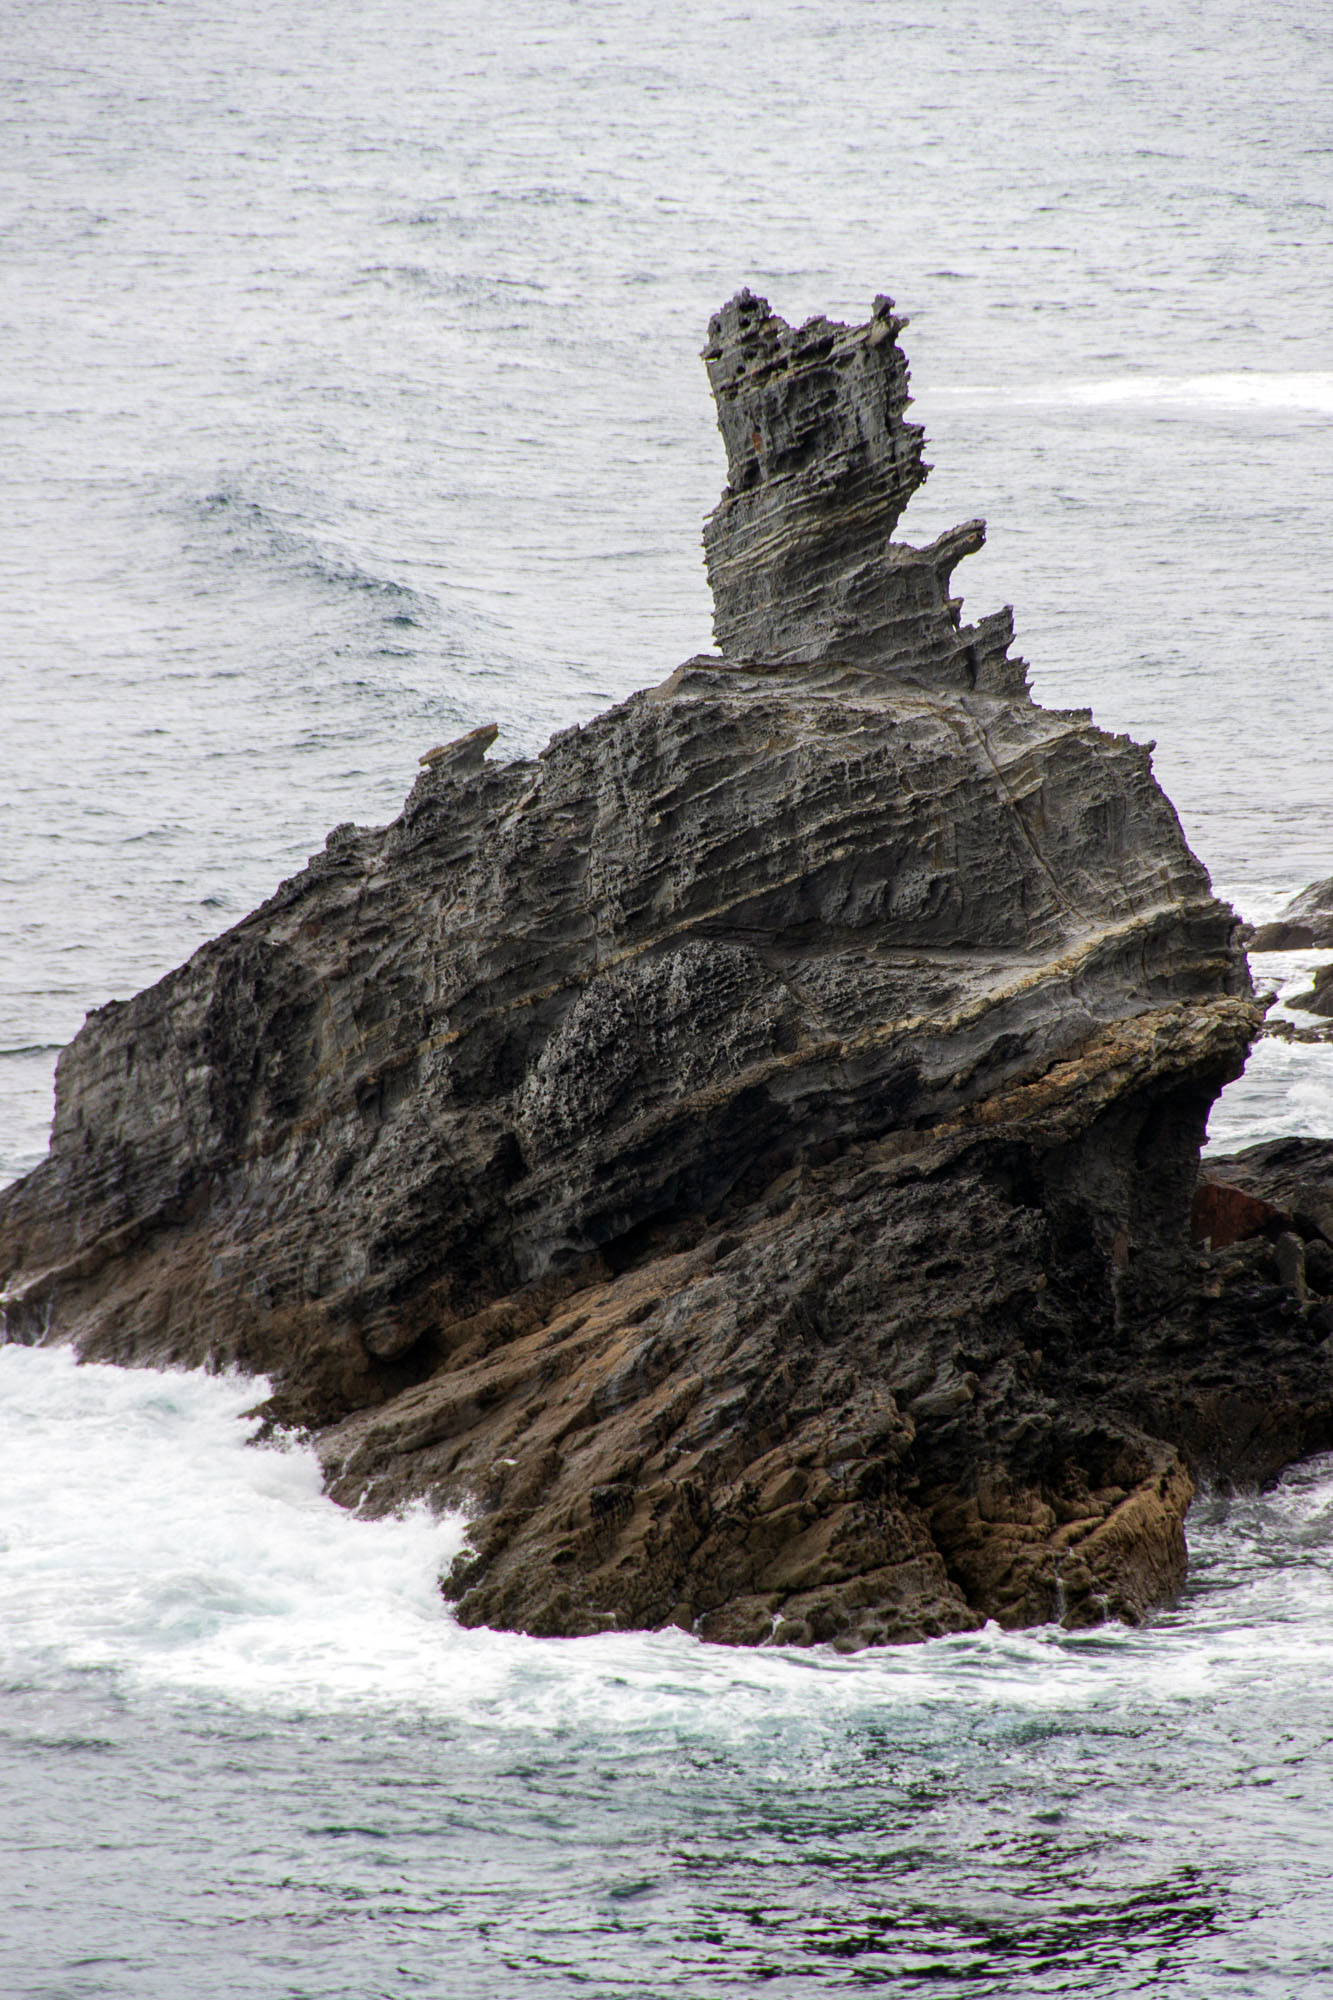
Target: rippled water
x,y
239,1731
351,399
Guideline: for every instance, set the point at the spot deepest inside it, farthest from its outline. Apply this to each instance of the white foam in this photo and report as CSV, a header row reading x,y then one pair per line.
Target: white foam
x,y
1224,390
1287,1087
140,1532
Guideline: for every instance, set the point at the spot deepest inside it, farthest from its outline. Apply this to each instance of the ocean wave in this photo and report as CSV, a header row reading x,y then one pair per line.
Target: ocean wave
x,y
258,533
252,1585
1227,390
1286,1089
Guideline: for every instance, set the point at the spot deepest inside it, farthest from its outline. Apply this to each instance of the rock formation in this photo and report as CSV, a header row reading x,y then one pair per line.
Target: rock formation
x,y
820,465
1306,920
745,1155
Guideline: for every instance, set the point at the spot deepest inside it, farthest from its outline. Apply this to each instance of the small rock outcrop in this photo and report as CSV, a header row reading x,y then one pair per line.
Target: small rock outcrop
x,y
1306,921
1319,998
745,1156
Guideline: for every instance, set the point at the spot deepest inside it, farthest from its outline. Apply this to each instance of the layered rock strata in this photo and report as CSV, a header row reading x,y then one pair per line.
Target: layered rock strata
x,y
744,1157
821,462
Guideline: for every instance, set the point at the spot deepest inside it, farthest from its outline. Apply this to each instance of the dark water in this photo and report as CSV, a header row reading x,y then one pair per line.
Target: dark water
x,y
350,400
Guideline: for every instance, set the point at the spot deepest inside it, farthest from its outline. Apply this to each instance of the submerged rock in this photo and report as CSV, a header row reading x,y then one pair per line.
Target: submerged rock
x,y
745,1155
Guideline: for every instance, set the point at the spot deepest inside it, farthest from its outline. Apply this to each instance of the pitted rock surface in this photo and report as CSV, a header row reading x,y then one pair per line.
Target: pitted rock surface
x,y
744,1155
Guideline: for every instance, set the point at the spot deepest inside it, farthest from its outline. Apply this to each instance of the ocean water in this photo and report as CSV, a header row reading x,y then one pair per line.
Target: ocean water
x,y
351,399
244,1750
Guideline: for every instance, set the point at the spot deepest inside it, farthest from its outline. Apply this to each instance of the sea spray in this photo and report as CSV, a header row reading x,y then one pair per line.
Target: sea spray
x,y
146,1535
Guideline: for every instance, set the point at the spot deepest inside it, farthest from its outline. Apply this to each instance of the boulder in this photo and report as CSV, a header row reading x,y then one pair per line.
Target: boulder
x,y
1306,921
1319,999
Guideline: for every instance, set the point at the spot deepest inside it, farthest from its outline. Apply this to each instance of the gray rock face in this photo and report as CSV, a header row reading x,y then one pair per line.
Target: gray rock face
x,y
821,463
741,916
743,1154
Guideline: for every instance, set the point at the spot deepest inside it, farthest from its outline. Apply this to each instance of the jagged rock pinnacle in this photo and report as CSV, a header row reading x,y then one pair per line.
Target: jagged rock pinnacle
x,y
821,462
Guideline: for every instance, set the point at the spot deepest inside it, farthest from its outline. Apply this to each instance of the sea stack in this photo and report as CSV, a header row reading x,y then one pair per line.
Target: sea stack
x,y
744,1156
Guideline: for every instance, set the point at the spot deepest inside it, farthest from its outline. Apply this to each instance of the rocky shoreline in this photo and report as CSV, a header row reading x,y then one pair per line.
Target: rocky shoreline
x,y
748,1155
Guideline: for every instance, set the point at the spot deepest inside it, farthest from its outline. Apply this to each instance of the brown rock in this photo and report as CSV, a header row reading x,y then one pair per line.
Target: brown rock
x,y
1223,1214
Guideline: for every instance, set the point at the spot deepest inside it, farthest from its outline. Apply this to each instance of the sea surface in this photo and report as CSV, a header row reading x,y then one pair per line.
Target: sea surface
x,y
349,399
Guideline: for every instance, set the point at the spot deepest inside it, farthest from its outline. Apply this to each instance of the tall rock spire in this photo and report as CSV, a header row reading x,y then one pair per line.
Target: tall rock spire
x,y
821,462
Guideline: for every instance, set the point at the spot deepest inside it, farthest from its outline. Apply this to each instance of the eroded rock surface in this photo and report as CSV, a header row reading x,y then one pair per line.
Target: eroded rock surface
x,y
744,1155
821,462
